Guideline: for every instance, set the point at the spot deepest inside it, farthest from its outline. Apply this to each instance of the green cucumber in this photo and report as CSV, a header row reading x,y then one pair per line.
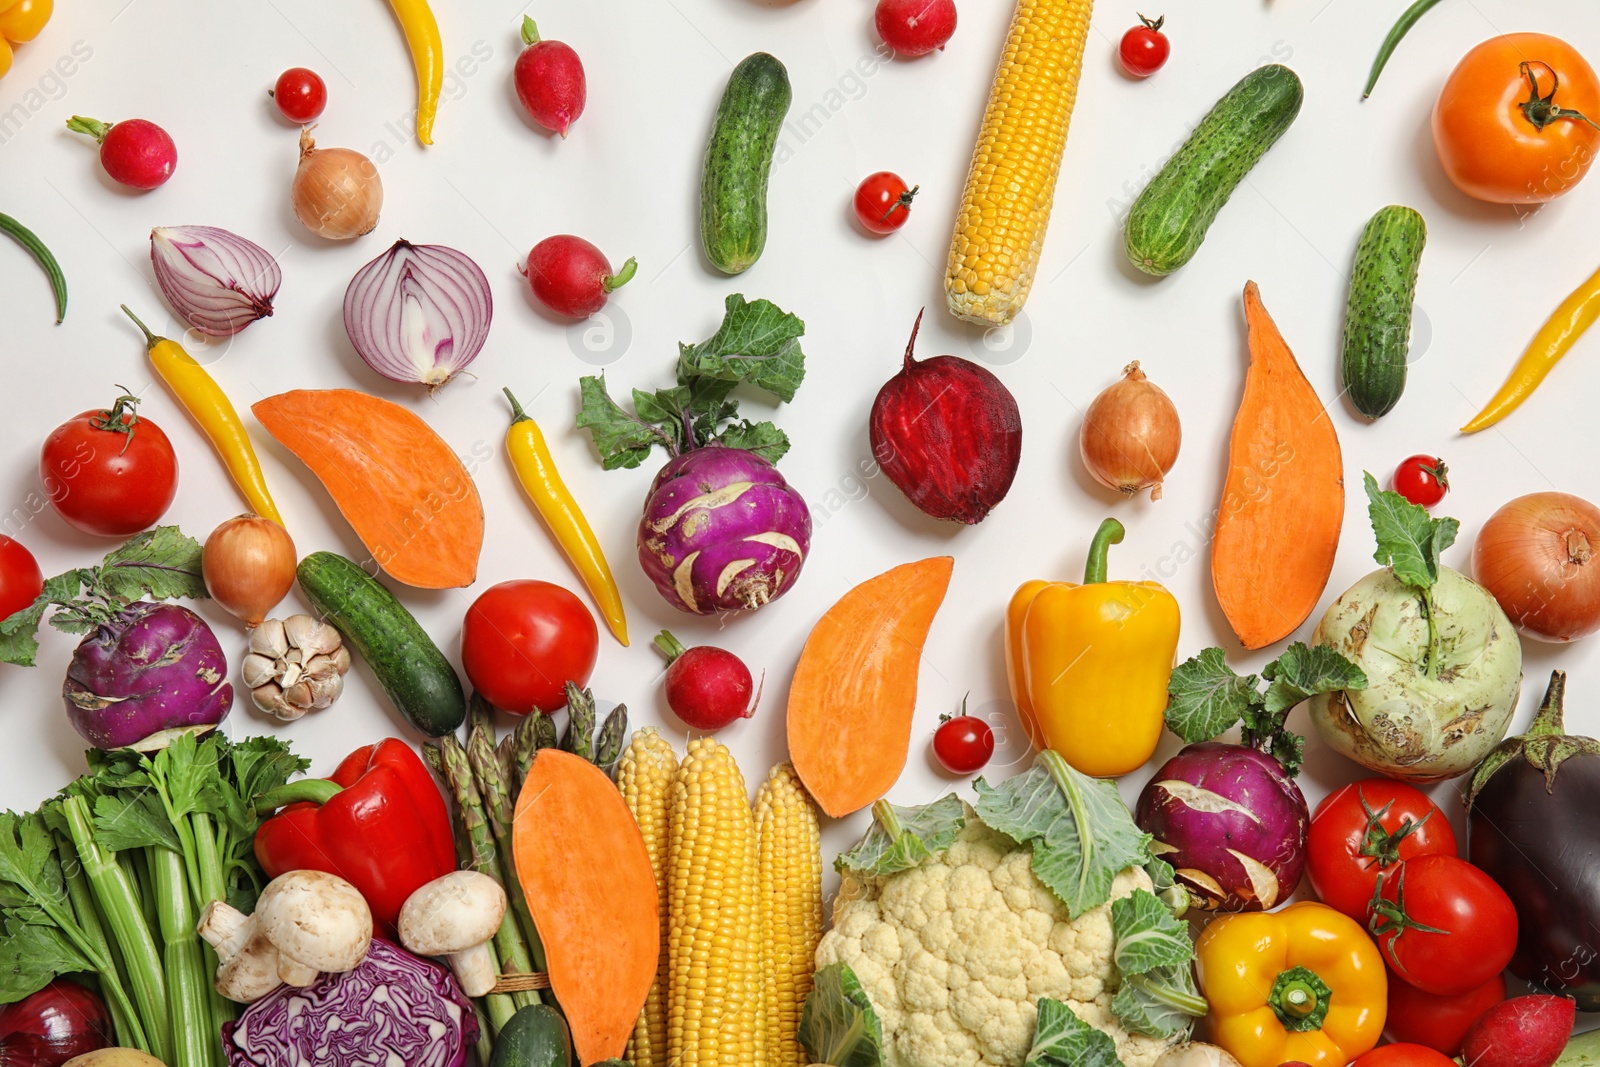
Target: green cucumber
x,y
1169,220
1377,321
419,680
733,184
536,1036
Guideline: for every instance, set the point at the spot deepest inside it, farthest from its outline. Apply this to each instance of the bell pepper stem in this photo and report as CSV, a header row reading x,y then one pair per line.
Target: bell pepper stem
x,y
1300,999
316,791
1110,533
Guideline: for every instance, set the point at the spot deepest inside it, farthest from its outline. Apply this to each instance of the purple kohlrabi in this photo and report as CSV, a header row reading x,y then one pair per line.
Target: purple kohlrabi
x,y
151,671
722,531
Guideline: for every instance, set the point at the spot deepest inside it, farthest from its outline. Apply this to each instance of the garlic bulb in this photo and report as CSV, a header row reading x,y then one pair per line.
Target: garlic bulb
x,y
295,665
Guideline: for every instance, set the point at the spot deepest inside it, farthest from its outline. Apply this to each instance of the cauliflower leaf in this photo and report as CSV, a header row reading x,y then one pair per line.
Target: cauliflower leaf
x,y
1153,951
838,1025
901,838
1061,1039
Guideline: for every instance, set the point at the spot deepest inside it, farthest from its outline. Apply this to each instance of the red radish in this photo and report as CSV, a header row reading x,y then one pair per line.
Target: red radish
x,y
1521,1032
915,27
707,687
135,152
572,277
550,81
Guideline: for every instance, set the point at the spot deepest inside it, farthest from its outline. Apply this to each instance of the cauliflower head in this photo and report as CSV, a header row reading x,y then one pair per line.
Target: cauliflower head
x,y
956,952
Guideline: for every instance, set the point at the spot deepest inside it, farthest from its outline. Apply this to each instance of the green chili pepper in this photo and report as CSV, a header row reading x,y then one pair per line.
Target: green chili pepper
x,y
29,240
1391,42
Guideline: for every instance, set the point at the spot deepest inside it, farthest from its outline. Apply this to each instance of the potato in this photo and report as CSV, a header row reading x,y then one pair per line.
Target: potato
x,y
114,1057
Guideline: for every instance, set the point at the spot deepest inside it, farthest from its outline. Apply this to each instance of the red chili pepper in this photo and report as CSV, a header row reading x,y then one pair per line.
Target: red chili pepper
x,y
379,823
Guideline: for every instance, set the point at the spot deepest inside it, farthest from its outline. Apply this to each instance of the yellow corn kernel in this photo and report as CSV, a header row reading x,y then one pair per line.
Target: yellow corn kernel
x,y
644,775
1016,162
713,937
789,870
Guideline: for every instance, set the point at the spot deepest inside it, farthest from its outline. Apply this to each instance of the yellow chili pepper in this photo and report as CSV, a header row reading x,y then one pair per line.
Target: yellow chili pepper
x,y
1089,664
1554,340
209,406
1304,984
427,55
536,470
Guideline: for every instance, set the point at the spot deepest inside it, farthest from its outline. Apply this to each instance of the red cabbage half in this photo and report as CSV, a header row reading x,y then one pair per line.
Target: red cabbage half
x,y
393,1009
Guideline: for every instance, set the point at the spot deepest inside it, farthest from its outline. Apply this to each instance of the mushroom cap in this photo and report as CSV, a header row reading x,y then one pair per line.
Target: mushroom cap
x,y
317,919
452,913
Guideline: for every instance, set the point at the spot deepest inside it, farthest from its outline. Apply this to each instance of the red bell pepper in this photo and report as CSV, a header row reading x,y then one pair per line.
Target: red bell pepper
x,y
379,823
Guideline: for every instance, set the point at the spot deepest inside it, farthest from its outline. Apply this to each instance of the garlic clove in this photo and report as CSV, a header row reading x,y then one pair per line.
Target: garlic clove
x,y
294,655
341,659
290,674
269,639
324,691
257,670
299,696
313,637
269,698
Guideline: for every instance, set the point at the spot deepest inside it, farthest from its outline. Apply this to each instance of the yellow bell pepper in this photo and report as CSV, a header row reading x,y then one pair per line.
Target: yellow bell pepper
x,y
20,22
1088,664
1304,984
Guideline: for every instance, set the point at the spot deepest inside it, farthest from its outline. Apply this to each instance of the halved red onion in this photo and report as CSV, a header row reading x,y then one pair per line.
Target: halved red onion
x,y
418,313
217,281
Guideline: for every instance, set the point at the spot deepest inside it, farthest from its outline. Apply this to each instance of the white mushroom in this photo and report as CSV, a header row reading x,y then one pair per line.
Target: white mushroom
x,y
295,665
305,923
454,916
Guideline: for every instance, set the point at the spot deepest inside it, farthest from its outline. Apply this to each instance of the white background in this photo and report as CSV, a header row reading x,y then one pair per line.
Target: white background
x,y
627,179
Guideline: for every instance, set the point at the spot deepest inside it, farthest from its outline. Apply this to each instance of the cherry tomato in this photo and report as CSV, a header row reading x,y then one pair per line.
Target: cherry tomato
x,y
111,473
1144,48
963,743
1365,829
1423,480
1512,124
300,95
1443,925
883,203
1403,1055
1438,1022
21,581
524,640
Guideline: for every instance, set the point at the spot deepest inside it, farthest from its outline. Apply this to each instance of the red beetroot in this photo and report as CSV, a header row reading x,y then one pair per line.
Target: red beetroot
x,y
135,152
948,433
572,277
550,81
1520,1032
707,687
915,27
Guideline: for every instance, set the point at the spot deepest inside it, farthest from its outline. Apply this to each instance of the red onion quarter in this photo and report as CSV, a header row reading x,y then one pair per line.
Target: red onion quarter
x,y
418,313
217,281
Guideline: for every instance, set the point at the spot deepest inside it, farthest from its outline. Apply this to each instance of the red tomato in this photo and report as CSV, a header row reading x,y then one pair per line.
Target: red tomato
x,y
21,581
1438,1022
1444,925
963,744
1365,829
524,640
1144,48
1403,1055
883,203
110,473
1423,480
300,95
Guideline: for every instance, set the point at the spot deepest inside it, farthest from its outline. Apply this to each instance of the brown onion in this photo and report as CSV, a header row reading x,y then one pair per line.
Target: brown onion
x,y
248,566
1131,435
1540,557
337,193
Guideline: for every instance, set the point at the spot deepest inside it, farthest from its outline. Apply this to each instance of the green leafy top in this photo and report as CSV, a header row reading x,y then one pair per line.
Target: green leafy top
x,y
901,838
1410,541
1061,1039
160,564
1081,833
1153,952
1207,697
758,343
838,1025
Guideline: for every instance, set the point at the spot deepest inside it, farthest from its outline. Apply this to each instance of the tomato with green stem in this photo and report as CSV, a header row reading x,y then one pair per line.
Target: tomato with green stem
x,y
1422,479
883,202
1443,925
1144,49
1366,829
110,472
963,743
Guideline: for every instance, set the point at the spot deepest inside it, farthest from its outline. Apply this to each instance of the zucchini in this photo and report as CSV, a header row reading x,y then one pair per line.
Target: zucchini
x,y
1169,220
1377,320
733,183
536,1036
419,680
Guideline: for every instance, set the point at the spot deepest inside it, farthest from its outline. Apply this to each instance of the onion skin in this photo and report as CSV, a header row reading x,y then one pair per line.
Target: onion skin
x,y
418,313
1540,557
217,281
58,1023
337,193
1131,435
248,565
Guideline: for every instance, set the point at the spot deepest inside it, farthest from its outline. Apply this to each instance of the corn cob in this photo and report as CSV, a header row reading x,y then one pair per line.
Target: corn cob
x,y
789,872
645,778
1011,186
714,996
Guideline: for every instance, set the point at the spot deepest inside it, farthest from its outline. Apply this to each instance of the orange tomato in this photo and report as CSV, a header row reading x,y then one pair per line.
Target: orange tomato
x,y
1515,123
22,20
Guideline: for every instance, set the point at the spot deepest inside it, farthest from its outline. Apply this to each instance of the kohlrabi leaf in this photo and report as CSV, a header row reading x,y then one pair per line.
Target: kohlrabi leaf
x,y
623,440
1061,1039
901,838
1081,833
762,438
1147,935
1207,697
18,643
1303,671
758,343
838,1025
159,564
1409,540
1160,1003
